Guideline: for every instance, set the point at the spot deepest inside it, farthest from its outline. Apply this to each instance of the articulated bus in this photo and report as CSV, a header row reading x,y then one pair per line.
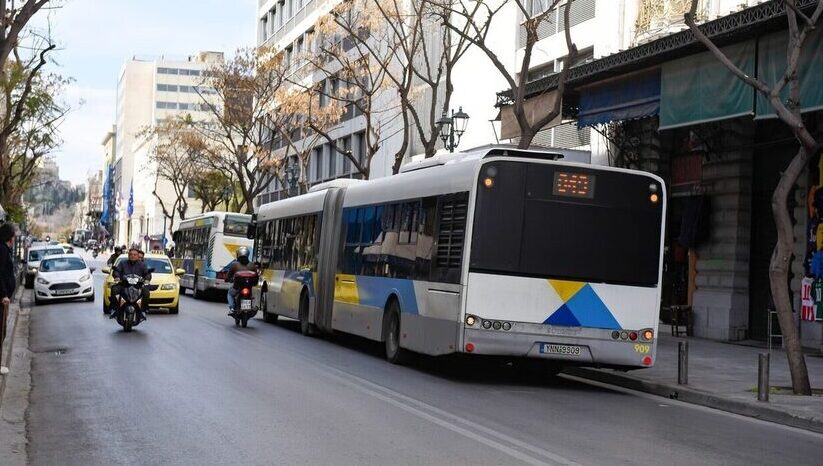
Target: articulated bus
x,y
497,252
204,246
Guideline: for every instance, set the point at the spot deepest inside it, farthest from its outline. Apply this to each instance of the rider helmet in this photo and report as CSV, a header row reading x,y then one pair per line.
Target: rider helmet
x,y
242,251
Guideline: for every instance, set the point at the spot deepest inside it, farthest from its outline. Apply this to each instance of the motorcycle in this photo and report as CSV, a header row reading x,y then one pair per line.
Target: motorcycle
x,y
244,308
129,301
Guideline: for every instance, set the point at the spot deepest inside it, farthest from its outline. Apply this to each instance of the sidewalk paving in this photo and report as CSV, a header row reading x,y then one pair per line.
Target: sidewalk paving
x,y
723,376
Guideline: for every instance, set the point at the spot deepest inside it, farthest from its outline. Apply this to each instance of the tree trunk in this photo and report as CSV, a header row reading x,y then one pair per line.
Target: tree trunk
x,y
526,138
779,272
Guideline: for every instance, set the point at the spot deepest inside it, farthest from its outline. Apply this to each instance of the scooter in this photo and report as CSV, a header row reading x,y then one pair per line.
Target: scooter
x,y
245,309
129,301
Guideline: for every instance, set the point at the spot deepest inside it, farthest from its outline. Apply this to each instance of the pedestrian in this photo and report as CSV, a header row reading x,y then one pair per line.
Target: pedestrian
x,y
7,282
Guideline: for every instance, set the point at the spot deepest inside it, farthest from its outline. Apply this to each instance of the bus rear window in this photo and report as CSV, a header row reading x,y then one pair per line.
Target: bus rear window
x,y
525,225
233,227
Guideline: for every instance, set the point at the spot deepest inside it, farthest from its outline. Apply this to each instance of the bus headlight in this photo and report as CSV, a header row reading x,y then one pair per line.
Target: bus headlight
x,y
471,320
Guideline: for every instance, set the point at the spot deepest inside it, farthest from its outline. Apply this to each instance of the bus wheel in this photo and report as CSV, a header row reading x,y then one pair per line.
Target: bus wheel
x,y
391,334
306,328
195,292
268,317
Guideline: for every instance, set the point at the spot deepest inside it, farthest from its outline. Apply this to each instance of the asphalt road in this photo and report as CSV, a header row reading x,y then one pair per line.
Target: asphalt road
x,y
193,389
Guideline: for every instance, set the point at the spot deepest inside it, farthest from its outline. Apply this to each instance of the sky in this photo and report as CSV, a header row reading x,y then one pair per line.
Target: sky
x,y
95,38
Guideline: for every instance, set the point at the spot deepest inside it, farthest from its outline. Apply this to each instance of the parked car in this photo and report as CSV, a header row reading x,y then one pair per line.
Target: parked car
x,y
167,279
63,276
36,254
90,244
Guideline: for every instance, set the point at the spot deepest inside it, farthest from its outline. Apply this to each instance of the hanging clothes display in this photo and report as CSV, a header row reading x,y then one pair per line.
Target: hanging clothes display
x,y
807,301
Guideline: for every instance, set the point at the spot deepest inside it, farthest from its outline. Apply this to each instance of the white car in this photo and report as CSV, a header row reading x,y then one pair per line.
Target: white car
x,y
63,276
36,254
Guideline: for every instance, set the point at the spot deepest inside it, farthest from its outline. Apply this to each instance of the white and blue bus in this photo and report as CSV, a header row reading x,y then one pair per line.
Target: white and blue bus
x,y
495,251
205,245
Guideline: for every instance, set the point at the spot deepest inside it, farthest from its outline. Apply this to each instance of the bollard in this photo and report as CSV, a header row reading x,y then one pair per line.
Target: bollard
x,y
683,363
763,377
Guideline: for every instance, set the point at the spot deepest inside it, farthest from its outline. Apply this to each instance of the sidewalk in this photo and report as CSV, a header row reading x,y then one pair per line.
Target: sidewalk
x,y
15,386
723,376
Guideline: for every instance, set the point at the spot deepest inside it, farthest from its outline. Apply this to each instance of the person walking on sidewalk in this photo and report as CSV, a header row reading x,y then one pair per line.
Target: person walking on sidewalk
x,y
7,282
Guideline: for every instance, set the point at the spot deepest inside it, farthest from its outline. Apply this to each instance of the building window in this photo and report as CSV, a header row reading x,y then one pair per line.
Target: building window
x,y
345,146
167,105
332,156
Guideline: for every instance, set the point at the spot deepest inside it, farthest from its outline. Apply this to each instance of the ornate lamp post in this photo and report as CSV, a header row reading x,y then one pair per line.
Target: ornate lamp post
x,y
452,128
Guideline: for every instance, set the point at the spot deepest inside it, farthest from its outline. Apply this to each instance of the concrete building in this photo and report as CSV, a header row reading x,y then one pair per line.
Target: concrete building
x,y
288,26
148,91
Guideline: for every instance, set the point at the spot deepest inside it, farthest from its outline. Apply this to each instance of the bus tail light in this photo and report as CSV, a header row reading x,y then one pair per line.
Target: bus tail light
x,y
647,334
471,320
507,326
647,360
632,336
469,347
615,335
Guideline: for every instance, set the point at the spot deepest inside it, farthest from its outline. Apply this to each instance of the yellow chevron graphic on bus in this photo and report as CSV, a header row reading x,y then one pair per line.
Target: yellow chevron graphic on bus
x,y
566,289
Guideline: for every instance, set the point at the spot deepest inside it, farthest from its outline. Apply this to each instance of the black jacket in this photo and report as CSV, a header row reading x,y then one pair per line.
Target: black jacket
x,y
132,268
7,282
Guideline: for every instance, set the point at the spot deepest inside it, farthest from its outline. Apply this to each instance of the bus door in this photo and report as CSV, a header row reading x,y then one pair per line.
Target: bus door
x,y
327,254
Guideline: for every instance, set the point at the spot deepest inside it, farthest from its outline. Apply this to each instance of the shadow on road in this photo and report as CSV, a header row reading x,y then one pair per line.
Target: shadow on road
x,y
461,368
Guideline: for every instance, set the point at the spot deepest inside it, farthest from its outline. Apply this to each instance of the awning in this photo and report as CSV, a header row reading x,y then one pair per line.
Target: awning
x,y
536,108
699,89
625,98
771,64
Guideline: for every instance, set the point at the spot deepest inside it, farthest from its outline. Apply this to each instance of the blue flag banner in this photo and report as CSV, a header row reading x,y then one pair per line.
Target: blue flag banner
x,y
130,208
104,217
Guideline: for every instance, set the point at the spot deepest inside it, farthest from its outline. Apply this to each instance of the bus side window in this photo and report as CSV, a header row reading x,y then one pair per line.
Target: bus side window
x,y
425,239
351,219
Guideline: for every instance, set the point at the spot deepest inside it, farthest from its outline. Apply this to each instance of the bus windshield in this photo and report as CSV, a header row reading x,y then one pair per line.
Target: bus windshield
x,y
565,222
235,227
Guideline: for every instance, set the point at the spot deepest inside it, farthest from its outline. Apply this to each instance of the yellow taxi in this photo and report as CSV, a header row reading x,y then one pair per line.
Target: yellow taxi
x,y
164,276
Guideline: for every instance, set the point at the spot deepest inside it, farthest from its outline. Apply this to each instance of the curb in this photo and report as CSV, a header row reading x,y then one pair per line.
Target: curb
x,y
693,396
8,342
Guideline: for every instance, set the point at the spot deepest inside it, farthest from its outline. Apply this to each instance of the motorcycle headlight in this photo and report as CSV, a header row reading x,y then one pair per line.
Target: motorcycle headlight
x,y
85,277
168,286
42,281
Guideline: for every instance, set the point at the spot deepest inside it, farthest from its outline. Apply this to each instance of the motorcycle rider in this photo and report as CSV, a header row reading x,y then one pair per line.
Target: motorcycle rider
x,y
132,266
242,263
113,257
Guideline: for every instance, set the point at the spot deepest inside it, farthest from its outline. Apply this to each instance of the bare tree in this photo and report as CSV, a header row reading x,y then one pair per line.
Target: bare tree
x,y
473,21
416,55
789,112
302,121
173,144
240,94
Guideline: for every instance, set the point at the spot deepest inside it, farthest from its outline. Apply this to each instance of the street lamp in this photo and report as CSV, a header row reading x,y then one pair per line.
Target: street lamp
x,y
452,128
227,196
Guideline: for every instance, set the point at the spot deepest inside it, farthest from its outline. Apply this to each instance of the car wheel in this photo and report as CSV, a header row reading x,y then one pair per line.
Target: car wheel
x,y
391,333
90,298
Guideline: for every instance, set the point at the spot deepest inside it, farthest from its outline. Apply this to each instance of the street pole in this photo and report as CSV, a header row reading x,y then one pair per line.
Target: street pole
x,y
683,363
763,377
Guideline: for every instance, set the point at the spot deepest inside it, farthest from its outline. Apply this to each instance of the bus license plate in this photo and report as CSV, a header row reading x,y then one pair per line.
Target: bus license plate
x,y
567,350
245,305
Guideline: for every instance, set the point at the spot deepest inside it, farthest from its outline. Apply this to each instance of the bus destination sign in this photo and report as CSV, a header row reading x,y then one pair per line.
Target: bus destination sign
x,y
573,185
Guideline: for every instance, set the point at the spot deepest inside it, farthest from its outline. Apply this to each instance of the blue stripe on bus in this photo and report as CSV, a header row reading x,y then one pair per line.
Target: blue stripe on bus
x,y
303,277
375,291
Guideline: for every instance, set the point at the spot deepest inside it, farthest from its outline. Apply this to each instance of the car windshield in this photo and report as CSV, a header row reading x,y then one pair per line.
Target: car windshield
x,y
39,254
62,264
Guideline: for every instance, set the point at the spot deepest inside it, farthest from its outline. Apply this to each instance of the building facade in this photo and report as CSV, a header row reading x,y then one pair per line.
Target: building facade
x,y
659,101
150,90
288,26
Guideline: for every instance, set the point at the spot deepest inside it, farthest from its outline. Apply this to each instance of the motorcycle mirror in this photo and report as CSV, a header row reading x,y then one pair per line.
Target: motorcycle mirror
x,y
151,269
